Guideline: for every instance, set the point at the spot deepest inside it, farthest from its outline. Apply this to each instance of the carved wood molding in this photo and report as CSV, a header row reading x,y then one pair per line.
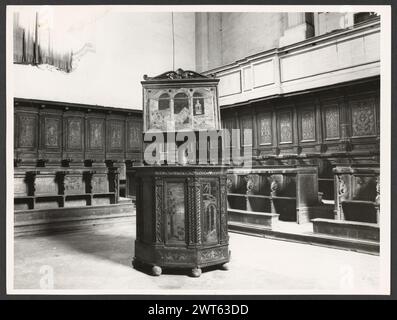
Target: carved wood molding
x,y
179,74
159,186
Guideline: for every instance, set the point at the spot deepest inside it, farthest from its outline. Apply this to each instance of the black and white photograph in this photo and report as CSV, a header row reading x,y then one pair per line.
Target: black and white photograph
x,y
198,150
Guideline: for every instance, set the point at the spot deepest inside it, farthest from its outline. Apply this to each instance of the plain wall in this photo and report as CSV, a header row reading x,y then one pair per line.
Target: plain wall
x,y
127,45
222,38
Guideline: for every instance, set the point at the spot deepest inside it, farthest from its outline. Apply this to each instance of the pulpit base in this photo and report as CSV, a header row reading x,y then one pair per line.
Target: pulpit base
x,y
193,260
181,217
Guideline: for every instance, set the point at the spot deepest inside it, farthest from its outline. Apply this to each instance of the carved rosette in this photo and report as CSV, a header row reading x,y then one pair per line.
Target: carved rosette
x,y
159,185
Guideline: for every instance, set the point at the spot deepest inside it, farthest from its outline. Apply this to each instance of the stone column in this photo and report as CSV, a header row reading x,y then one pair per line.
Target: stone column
x,y
299,27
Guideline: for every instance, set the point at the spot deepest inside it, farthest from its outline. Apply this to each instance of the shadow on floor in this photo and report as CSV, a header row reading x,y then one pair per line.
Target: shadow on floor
x,y
117,248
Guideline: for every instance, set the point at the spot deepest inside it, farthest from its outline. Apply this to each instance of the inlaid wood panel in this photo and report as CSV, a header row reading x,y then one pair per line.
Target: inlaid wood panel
x,y
246,127
175,209
134,135
285,126
331,122
96,135
210,221
363,117
27,130
74,184
74,133
115,136
313,123
265,128
46,185
307,118
100,183
52,133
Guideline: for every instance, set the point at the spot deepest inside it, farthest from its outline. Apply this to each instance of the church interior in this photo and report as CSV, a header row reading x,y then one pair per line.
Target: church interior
x,y
303,88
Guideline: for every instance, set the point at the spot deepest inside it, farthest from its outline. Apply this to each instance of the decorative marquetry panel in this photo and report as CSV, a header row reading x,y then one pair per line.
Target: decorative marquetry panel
x,y
363,118
52,132
285,126
100,183
210,221
46,184
246,130
50,135
308,125
96,134
74,184
134,135
115,135
175,212
74,133
27,130
265,128
331,121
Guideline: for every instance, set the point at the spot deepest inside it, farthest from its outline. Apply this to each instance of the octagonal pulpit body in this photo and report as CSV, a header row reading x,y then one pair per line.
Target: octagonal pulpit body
x,y
181,208
181,217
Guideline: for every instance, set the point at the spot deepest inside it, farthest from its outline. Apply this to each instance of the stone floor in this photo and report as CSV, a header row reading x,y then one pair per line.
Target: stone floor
x,y
100,259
